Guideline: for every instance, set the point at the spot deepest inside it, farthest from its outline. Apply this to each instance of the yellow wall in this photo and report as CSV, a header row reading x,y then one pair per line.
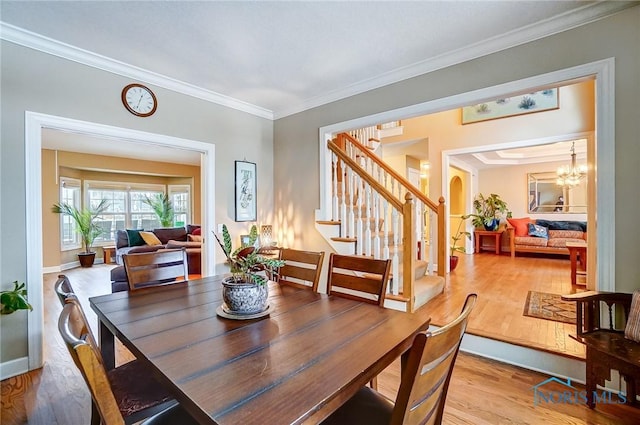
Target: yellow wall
x,y
89,167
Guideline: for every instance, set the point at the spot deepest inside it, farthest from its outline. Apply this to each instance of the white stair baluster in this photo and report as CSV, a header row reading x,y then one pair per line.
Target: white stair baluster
x,y
359,203
376,227
432,259
367,231
351,223
334,209
385,224
343,201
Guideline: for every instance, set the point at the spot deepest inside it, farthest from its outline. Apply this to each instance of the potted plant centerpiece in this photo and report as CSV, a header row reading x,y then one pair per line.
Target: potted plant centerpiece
x,y
489,210
453,259
14,299
86,226
245,292
162,206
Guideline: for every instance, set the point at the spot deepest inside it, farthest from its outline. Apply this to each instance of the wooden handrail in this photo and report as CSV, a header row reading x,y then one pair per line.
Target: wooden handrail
x,y
406,183
364,175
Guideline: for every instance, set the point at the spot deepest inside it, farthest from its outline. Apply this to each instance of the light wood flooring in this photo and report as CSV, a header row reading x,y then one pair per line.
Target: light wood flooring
x,y
502,284
481,392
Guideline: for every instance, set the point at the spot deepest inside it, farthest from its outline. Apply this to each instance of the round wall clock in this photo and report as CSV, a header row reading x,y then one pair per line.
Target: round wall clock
x,y
139,100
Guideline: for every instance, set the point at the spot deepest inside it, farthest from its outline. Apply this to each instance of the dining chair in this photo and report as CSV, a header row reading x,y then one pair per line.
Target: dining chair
x,y
63,288
358,277
161,267
425,376
122,395
301,268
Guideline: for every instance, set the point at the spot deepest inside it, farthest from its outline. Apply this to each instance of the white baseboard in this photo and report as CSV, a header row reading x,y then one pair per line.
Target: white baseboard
x,y
14,367
67,266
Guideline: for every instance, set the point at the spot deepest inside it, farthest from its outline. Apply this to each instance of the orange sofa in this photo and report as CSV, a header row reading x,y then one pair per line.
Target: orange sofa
x,y
559,233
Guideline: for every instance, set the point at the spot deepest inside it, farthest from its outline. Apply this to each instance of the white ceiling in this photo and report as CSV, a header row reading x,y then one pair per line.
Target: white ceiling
x,y
281,57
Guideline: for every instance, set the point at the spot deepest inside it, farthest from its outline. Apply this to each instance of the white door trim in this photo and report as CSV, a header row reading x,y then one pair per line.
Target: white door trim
x,y
34,123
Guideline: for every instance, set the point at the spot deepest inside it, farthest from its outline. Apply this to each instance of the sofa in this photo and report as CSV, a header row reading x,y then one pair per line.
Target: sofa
x,y
543,236
137,240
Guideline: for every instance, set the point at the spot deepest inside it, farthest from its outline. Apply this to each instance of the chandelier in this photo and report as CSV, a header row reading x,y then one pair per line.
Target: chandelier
x,y
570,176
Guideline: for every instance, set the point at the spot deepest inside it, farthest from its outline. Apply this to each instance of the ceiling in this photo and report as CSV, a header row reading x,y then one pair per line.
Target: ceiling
x,y
275,58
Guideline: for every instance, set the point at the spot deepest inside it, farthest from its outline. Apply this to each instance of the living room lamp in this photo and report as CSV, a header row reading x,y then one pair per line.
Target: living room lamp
x,y
570,176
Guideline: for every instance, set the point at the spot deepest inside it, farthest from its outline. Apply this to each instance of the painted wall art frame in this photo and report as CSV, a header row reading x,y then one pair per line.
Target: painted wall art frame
x,y
543,100
246,191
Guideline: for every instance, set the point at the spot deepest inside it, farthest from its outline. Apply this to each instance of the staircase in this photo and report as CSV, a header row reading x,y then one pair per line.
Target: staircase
x,y
376,212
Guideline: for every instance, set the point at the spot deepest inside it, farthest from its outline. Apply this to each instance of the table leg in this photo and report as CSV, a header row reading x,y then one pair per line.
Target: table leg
x,y
498,244
573,254
107,347
477,243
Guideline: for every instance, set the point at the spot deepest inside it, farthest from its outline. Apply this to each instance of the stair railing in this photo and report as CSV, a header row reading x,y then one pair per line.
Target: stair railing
x,y
384,212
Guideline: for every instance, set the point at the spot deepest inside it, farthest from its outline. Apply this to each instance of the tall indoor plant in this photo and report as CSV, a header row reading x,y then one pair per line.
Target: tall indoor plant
x,y
163,207
460,234
245,291
488,211
86,226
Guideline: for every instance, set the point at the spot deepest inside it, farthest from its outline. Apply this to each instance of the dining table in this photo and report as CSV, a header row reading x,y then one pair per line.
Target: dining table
x,y
296,365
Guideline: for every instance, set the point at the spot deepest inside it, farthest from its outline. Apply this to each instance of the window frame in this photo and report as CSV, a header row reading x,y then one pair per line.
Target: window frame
x,y
76,184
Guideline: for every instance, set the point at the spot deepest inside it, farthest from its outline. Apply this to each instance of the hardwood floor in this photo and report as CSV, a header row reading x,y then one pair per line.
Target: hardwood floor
x,y
502,284
481,391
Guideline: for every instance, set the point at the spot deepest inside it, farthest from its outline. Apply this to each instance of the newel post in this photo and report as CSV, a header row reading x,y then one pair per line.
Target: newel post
x,y
409,251
442,245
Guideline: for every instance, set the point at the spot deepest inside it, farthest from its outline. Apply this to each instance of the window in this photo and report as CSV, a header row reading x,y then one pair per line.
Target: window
x,y
180,196
126,209
70,195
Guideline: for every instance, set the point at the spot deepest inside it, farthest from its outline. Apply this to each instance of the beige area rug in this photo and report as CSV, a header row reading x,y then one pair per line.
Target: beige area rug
x,y
550,307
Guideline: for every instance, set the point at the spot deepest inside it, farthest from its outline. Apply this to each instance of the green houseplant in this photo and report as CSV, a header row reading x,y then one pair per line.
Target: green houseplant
x,y
245,291
86,226
455,239
488,211
162,206
14,299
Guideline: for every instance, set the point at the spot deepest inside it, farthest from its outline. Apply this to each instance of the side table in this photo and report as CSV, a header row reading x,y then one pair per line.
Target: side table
x,y
577,253
108,252
479,234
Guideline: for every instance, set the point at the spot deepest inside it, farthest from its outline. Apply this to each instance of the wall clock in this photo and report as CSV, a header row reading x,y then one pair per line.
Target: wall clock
x,y
139,100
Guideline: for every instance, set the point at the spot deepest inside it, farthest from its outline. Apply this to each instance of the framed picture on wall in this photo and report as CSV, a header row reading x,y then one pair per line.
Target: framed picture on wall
x,y
246,191
543,100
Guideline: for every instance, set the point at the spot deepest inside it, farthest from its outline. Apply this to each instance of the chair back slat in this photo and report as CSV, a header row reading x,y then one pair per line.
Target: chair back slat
x,y
71,325
358,277
63,288
301,268
425,379
162,267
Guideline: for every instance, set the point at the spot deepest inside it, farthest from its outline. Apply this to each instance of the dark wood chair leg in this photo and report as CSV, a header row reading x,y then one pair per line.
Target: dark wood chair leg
x,y
591,382
631,390
95,415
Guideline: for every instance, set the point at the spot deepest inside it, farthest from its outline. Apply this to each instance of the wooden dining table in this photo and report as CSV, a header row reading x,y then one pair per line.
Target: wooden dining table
x,y
296,365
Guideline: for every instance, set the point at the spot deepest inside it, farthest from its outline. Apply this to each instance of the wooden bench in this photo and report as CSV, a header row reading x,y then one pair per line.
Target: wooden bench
x,y
607,348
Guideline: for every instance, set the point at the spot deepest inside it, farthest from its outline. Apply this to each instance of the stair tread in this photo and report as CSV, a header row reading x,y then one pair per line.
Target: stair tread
x,y
328,222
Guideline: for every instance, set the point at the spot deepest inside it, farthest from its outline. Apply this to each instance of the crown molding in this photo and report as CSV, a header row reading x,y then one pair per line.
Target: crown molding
x,y
53,47
563,22
554,25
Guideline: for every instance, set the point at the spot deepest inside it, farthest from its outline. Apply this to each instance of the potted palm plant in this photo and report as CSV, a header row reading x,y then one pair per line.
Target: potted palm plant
x,y
162,206
86,226
245,291
455,239
488,211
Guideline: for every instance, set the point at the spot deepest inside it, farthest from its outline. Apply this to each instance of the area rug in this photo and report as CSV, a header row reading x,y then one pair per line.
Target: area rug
x,y
550,307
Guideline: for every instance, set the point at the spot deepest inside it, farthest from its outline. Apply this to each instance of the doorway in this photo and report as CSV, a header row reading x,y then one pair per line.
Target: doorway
x,y
34,124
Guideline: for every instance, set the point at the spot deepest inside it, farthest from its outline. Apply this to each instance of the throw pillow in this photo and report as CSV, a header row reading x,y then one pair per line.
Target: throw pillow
x,y
134,237
150,238
197,231
521,225
538,231
195,238
632,330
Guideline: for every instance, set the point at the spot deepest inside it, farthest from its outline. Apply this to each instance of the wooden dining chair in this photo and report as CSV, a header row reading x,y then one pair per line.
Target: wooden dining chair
x,y
162,267
122,395
357,277
63,288
301,268
426,373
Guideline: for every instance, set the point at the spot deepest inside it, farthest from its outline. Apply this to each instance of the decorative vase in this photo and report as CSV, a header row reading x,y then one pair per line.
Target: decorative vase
x,y
86,258
244,297
453,262
492,225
